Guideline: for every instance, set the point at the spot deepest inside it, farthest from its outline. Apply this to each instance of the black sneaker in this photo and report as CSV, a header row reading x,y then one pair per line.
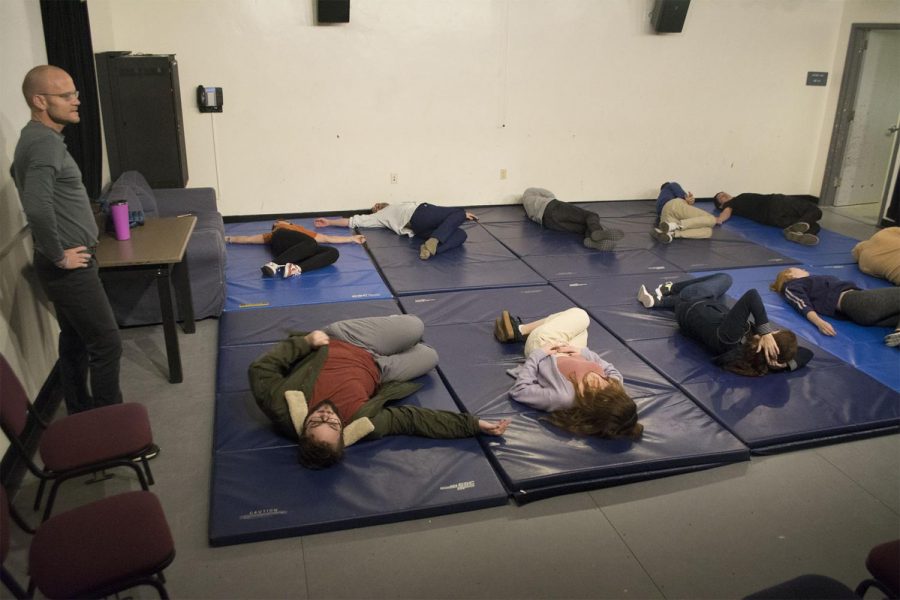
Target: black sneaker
x,y
271,269
805,239
798,227
599,235
506,329
664,289
663,237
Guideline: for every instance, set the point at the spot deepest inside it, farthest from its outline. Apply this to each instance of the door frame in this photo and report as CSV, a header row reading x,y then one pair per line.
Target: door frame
x,y
859,35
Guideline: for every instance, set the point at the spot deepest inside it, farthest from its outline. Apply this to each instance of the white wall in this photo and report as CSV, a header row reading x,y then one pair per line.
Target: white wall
x,y
28,329
578,96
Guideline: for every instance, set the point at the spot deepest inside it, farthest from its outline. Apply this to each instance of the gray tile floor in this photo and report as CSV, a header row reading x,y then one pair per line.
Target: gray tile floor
x,y
720,533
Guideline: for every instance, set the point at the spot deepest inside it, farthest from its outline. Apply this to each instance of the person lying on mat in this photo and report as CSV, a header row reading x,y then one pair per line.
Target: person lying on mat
x,y
438,225
815,295
741,337
330,388
796,215
582,392
296,249
678,217
879,256
543,208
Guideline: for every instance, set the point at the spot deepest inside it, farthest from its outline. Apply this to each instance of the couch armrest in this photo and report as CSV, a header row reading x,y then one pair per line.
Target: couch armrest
x,y
178,201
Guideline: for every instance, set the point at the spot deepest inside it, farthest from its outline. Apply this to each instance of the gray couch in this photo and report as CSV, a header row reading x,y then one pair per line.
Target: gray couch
x,y
133,294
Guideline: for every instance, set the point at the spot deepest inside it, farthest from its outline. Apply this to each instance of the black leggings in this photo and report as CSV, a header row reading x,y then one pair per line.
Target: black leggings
x,y
290,246
878,307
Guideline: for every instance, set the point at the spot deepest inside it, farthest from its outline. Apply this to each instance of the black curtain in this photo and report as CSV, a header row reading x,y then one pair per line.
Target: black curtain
x,y
67,35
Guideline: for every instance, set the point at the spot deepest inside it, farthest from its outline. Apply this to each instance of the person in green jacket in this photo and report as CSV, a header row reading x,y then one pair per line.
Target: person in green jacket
x,y
329,388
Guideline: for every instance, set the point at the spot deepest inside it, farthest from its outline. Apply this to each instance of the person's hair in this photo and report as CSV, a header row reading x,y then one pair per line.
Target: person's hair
x,y
781,280
603,412
318,455
379,206
745,360
716,201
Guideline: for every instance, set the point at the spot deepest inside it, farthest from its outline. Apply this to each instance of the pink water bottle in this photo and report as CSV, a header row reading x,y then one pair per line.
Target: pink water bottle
x,y
119,213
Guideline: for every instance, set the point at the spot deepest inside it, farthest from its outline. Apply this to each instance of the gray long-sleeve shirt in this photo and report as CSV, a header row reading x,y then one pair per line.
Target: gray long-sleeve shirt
x,y
394,217
53,196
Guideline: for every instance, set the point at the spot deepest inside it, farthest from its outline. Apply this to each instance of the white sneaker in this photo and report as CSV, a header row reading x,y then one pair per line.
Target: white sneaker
x,y
291,270
270,269
645,298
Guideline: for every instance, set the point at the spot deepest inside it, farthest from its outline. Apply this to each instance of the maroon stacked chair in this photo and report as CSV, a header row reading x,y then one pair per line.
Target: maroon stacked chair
x,y
883,563
88,442
95,550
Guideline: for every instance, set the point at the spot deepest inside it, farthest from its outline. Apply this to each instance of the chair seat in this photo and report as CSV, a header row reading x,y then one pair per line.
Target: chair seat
x,y
105,433
883,563
128,535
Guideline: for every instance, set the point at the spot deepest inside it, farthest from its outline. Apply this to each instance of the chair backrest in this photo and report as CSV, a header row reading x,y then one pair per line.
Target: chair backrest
x,y
14,403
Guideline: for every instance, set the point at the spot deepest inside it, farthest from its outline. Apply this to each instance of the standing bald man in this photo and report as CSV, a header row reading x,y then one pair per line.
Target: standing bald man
x,y
65,233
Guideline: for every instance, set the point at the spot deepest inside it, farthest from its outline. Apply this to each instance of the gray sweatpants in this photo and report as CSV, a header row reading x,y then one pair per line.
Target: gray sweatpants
x,y
395,341
879,307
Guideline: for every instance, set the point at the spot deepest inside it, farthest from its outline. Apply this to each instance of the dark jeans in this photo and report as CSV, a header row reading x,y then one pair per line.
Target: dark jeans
x,y
440,222
290,246
89,339
702,315
561,216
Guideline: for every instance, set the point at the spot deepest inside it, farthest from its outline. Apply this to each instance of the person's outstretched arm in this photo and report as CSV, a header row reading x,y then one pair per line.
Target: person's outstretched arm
x,y
426,422
340,239
245,239
337,222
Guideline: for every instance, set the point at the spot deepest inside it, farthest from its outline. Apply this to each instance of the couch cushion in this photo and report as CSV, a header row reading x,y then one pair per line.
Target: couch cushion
x,y
134,181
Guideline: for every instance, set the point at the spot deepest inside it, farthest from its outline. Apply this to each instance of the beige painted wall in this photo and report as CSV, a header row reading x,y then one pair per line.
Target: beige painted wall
x,y
578,96
28,329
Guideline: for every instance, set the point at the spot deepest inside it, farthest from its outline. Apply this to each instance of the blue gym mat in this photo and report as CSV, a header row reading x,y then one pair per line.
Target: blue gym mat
x,y
482,262
832,249
259,492
828,400
861,347
559,256
352,277
536,459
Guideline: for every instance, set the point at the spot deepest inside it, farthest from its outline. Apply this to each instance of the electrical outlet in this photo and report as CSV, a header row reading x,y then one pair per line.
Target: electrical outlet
x,y
502,173
395,178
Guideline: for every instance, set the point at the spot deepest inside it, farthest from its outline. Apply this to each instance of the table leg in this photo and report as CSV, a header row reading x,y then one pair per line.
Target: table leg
x,y
169,330
184,296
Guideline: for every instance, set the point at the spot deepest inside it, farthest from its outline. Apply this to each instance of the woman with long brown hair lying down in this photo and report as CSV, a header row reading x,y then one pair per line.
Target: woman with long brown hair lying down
x,y
741,337
582,393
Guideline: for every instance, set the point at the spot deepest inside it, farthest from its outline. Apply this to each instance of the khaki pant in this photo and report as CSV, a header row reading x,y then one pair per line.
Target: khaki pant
x,y
566,327
694,222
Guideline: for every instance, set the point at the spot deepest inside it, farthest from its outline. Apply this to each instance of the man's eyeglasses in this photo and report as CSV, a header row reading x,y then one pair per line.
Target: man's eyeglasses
x,y
333,422
68,96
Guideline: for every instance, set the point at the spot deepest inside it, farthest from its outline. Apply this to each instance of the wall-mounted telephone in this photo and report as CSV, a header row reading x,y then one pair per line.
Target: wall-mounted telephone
x,y
209,99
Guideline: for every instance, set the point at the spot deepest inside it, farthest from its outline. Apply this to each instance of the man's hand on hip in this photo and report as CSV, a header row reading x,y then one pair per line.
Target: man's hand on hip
x,y
75,258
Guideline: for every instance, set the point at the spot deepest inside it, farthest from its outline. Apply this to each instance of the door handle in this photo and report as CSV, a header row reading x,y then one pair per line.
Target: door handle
x,y
893,129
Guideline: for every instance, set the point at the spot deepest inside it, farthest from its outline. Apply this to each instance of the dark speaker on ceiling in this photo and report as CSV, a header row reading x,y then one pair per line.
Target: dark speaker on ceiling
x,y
333,11
668,15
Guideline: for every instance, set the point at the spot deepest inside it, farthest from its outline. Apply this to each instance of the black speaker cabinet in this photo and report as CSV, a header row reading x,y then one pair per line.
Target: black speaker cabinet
x,y
668,15
333,11
140,101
